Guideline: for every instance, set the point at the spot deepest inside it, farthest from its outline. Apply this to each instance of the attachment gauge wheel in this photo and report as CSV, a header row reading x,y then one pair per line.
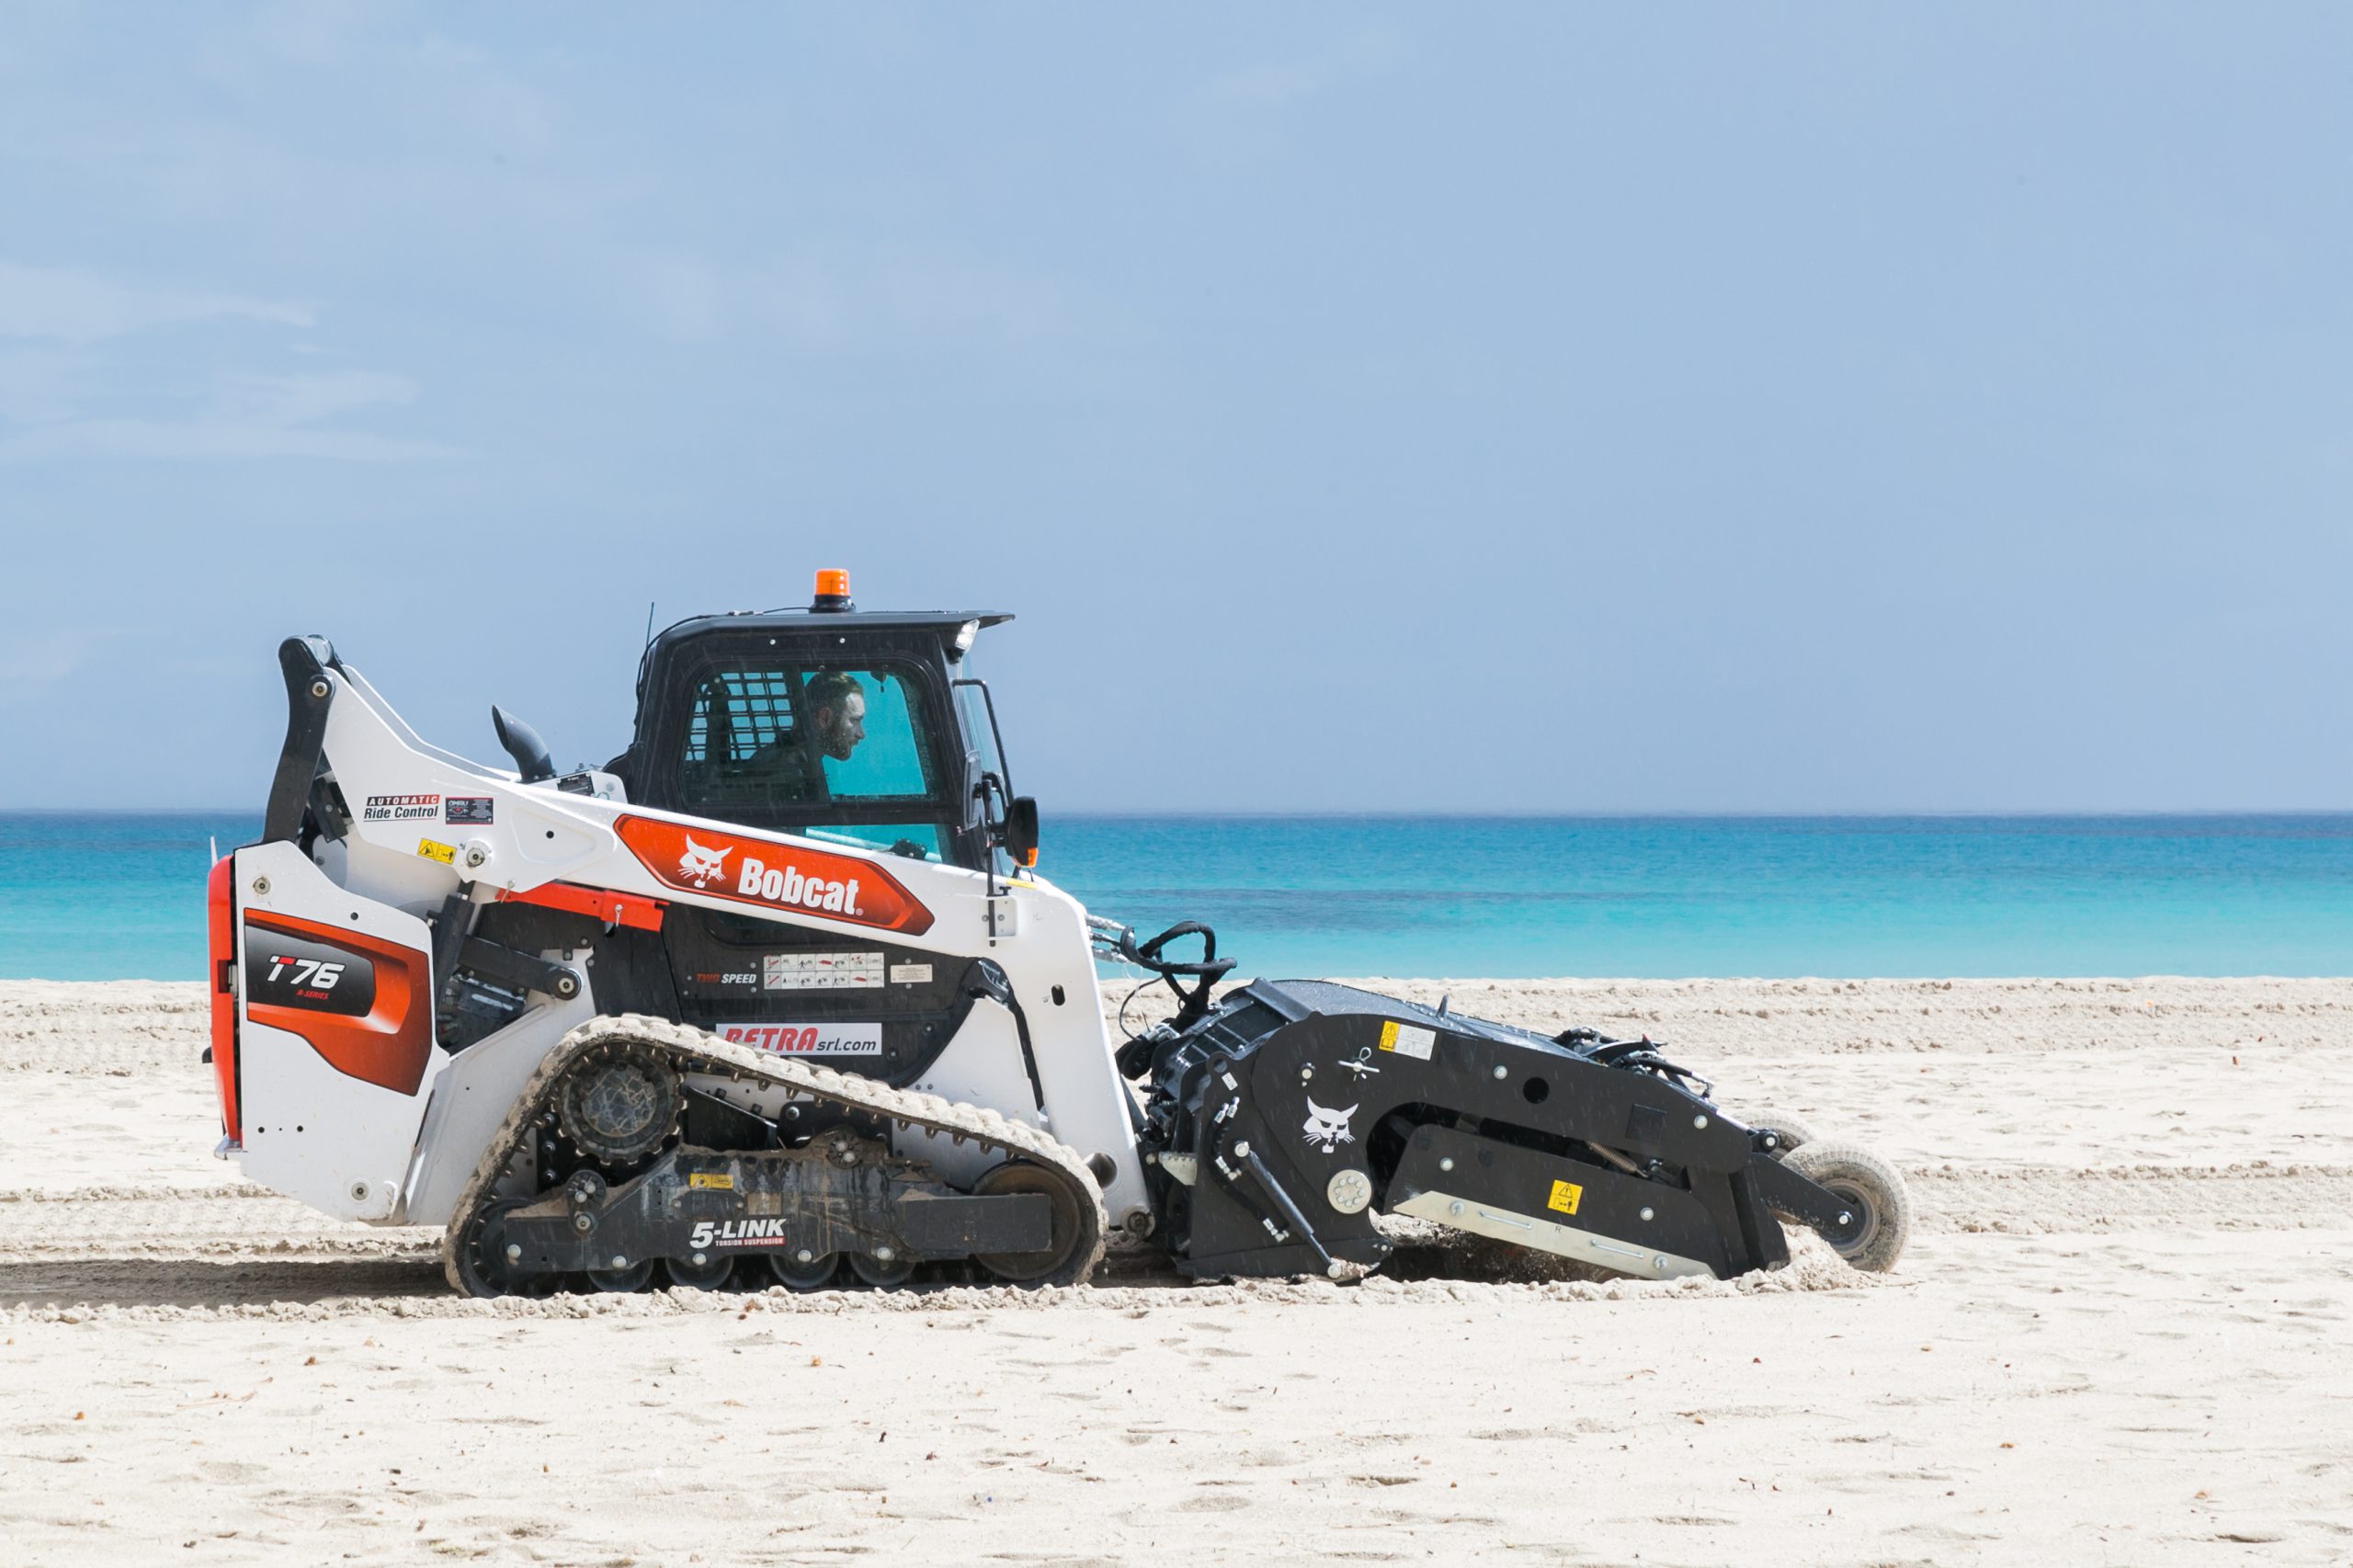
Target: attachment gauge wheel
x,y
1876,1217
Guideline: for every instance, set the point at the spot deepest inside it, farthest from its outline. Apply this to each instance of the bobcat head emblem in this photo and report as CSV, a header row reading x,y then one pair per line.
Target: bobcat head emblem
x,y
702,863
1328,1128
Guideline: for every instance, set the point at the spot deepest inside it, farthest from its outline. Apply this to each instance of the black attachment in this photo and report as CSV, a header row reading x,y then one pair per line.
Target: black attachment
x,y
1192,1001
1644,1056
1282,1201
522,744
1295,1110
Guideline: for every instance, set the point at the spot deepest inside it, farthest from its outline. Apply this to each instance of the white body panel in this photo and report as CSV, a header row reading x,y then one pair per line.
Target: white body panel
x,y
337,1142
392,861
981,1066
472,1098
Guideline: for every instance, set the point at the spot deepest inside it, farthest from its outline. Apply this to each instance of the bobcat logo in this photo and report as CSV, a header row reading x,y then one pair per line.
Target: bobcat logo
x,y
702,864
1328,1128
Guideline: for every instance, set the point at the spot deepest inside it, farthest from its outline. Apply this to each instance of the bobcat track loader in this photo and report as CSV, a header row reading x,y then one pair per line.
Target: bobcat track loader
x,y
777,994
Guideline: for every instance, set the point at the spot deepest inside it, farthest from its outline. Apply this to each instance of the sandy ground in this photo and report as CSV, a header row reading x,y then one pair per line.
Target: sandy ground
x,y
2120,1336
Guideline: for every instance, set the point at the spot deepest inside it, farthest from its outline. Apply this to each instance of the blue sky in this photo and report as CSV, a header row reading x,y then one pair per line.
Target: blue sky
x,y
1509,408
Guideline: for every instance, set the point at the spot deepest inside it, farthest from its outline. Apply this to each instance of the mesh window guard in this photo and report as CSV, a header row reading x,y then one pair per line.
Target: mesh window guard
x,y
756,713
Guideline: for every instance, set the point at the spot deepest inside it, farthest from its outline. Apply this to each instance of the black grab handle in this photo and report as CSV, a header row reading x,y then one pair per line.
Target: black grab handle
x,y
304,661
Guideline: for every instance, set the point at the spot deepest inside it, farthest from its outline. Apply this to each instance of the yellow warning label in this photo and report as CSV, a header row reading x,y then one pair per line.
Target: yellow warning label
x,y
1566,1197
1407,1039
721,1180
433,849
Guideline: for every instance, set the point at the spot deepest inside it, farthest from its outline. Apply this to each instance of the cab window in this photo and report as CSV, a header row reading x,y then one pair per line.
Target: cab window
x,y
771,736
916,840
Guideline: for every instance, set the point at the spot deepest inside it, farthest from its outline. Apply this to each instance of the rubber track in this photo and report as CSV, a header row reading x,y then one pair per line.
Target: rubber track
x,y
697,1051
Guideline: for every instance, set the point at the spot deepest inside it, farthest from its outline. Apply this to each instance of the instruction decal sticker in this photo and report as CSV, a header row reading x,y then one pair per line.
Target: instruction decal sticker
x,y
820,971
1407,1040
1566,1195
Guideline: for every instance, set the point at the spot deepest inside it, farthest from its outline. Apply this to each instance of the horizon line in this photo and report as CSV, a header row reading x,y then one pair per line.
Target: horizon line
x,y
1312,813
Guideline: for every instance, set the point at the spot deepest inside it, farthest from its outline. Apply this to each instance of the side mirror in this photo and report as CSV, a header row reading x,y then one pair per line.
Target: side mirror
x,y
522,744
1021,830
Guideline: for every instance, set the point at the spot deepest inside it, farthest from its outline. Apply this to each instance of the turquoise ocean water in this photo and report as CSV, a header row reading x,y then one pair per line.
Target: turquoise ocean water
x,y
121,896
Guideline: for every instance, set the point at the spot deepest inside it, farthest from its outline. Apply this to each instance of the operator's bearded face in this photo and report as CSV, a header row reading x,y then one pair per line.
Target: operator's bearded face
x,y
841,727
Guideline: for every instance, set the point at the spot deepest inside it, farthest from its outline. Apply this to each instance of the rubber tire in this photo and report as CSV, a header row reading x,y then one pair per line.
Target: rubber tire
x,y
1795,1134
1860,1176
817,1274
1022,1176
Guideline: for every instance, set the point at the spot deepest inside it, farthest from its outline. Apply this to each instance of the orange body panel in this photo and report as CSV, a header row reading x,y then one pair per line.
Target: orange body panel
x,y
773,875
388,1045
601,903
222,934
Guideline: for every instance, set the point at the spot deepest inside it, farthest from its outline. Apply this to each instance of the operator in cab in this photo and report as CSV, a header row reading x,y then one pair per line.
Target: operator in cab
x,y
837,706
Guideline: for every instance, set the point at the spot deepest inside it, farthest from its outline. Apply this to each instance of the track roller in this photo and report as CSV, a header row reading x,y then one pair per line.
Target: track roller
x,y
796,1272
622,1281
708,1275
881,1272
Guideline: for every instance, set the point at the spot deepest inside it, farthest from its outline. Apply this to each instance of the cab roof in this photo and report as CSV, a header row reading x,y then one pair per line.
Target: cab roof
x,y
941,623
804,620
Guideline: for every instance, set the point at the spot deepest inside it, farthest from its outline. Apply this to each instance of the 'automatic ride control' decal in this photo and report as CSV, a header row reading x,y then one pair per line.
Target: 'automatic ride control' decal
x,y
773,875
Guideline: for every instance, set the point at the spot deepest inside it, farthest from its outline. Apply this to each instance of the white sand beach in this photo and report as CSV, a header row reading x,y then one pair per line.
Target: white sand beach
x,y
2120,1336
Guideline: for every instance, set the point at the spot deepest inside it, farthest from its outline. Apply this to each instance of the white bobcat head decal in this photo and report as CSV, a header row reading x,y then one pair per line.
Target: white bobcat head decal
x,y
702,863
1328,1128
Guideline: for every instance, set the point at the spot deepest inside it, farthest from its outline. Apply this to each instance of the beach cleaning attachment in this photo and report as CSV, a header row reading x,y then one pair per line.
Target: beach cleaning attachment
x,y
777,995
1286,1118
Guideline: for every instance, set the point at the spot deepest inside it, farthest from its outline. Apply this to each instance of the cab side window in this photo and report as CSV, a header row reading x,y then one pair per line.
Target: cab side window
x,y
761,739
888,759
